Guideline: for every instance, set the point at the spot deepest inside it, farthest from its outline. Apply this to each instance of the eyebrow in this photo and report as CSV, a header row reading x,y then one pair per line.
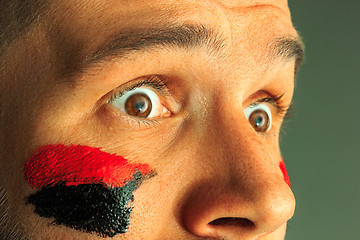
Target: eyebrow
x,y
288,48
184,37
173,36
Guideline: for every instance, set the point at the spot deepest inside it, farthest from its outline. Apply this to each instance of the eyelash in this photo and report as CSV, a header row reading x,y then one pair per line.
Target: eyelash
x,y
156,83
278,101
151,81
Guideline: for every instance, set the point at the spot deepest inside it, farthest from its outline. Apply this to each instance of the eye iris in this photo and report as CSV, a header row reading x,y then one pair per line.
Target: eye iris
x,y
259,119
138,105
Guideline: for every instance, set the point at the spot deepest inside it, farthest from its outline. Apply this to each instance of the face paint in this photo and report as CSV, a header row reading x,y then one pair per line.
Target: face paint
x,y
283,170
83,187
76,165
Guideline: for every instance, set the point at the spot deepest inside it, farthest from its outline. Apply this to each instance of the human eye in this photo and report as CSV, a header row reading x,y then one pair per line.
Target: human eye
x,y
259,116
142,100
265,111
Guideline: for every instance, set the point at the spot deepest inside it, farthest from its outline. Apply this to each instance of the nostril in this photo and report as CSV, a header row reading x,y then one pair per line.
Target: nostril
x,y
232,221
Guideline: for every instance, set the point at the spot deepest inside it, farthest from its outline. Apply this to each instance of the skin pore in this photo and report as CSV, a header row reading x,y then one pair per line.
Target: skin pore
x,y
207,66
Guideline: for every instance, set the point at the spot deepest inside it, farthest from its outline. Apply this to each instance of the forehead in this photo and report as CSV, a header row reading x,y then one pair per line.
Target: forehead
x,y
95,21
247,26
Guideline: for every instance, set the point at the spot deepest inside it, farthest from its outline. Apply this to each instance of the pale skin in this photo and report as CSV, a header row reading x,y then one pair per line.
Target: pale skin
x,y
210,161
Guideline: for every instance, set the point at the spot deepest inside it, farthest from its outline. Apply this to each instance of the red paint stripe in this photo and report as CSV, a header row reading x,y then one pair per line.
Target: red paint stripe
x,y
78,164
286,176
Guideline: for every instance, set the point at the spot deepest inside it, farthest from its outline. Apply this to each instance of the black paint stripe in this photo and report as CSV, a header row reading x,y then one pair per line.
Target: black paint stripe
x,y
92,208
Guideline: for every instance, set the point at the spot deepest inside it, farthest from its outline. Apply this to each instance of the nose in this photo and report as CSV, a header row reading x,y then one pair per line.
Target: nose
x,y
240,191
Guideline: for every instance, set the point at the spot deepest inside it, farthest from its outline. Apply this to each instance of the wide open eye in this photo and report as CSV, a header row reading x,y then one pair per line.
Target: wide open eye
x,y
259,116
140,102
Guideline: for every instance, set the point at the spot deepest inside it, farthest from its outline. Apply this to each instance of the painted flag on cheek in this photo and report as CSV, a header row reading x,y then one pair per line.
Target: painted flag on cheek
x,y
83,187
285,174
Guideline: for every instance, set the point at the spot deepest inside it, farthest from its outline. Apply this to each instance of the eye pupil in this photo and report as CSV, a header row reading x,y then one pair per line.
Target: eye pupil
x,y
138,105
259,119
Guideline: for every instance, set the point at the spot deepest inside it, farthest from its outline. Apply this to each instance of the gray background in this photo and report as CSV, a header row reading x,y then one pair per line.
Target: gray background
x,y
321,144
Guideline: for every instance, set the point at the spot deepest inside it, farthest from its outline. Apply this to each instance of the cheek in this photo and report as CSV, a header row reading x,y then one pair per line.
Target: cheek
x,y
286,176
74,165
84,188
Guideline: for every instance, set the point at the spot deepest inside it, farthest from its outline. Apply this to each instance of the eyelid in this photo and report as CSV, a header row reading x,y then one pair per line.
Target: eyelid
x,y
152,81
156,83
277,101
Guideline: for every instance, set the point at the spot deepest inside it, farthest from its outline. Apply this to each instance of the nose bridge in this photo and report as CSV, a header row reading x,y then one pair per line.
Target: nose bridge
x,y
227,136
242,180
242,153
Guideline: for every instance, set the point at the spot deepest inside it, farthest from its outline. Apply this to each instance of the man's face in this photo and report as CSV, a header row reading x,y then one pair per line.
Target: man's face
x,y
196,90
